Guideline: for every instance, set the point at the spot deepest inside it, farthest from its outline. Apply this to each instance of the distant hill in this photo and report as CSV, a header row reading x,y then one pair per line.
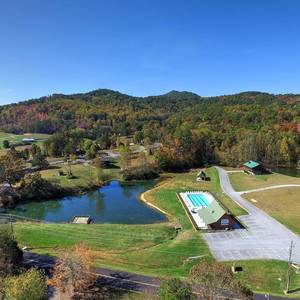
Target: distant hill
x,y
125,114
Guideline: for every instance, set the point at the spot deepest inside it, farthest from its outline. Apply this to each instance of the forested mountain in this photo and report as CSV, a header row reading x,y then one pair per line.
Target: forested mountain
x,y
234,127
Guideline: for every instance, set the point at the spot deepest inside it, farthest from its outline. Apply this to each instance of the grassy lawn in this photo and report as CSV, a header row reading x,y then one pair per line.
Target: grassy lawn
x,y
243,182
267,276
17,138
283,204
99,237
83,175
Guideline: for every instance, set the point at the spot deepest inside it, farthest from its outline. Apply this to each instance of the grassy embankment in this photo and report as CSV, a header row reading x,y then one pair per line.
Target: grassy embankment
x,y
152,249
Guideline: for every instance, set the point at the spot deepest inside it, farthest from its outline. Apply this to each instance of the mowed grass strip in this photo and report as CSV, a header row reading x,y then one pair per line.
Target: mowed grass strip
x,y
244,182
283,204
97,236
145,249
171,258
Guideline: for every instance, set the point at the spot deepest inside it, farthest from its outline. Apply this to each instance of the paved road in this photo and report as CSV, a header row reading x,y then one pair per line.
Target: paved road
x,y
264,238
118,279
270,188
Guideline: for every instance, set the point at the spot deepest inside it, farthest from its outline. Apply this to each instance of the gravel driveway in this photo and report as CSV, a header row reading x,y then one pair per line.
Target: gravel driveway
x,y
264,237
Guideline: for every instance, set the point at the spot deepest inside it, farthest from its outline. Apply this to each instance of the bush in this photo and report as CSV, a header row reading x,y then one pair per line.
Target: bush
x,y
6,144
175,289
29,285
140,173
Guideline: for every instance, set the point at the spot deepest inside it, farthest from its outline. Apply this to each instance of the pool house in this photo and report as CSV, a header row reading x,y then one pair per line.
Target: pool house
x,y
205,212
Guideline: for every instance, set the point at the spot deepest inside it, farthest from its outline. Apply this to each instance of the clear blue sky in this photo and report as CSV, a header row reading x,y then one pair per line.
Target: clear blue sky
x,y
149,47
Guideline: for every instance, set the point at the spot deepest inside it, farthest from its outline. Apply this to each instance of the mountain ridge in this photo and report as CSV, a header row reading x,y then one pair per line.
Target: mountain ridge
x,y
172,93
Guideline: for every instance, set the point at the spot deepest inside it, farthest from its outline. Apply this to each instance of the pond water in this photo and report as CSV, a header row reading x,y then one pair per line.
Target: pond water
x,y
114,203
287,171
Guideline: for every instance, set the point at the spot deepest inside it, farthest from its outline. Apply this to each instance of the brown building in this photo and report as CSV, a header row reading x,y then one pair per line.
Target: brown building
x,y
215,217
253,168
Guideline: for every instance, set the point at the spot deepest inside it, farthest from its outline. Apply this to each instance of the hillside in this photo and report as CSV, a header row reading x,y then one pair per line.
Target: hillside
x,y
125,114
230,122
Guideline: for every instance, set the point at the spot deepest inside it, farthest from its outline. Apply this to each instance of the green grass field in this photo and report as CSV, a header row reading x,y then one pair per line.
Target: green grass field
x,y
243,182
282,204
17,138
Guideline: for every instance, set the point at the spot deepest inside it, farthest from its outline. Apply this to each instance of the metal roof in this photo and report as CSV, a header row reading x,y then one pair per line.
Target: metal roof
x,y
212,213
251,164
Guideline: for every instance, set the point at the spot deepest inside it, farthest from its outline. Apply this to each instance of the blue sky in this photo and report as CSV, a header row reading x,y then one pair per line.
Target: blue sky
x,y
148,47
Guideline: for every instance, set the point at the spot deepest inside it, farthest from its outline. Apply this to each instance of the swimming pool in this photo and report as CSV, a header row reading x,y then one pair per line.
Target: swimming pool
x,y
198,200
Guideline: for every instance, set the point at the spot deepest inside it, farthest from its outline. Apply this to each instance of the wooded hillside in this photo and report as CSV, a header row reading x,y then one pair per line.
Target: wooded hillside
x,y
234,127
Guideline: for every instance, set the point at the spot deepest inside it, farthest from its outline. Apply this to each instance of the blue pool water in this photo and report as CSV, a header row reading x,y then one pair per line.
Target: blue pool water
x,y
198,200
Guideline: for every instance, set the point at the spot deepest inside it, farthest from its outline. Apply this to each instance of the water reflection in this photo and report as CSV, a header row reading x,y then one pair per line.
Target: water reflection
x,y
113,203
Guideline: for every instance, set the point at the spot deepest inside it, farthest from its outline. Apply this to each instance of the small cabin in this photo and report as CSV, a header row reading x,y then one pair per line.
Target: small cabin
x,y
253,168
201,176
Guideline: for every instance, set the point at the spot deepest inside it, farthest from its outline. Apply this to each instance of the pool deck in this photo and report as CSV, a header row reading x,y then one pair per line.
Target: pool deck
x,y
188,204
264,237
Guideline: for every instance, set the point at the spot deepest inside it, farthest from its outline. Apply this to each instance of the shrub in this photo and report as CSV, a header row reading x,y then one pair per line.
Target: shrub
x,y
175,289
29,285
6,144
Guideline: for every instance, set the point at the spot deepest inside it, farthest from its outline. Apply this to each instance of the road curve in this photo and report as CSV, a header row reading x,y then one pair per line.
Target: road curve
x,y
263,238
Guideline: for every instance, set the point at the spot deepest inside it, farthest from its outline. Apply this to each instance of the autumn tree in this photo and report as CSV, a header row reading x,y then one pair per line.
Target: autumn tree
x,y
73,271
100,176
11,255
12,167
125,157
39,160
214,279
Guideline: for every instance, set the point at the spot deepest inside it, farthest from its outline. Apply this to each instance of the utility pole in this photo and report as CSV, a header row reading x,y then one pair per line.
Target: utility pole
x,y
289,269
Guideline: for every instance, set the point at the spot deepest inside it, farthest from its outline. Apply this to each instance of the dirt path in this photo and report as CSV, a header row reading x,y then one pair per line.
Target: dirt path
x,y
144,198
